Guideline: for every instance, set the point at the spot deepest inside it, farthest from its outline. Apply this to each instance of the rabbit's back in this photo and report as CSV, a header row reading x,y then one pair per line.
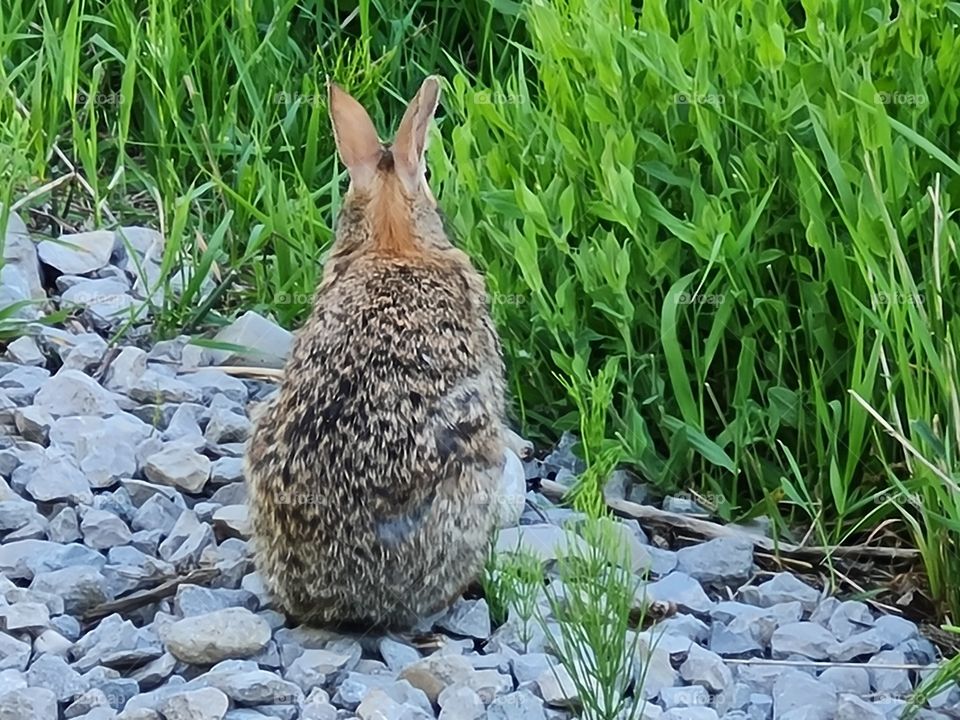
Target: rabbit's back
x,y
372,469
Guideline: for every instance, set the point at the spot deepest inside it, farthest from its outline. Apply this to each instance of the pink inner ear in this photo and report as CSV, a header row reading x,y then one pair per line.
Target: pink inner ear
x,y
410,143
357,142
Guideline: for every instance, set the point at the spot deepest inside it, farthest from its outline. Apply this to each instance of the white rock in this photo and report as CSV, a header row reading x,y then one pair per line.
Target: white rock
x,y
180,465
79,253
105,300
203,704
24,351
557,687
14,290
104,448
459,702
33,702
215,636
141,242
20,257
233,520
125,370
511,492
269,343
71,392
58,478
543,540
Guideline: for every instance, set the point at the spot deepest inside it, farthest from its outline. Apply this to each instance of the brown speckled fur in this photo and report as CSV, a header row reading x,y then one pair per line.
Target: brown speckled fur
x,y
370,474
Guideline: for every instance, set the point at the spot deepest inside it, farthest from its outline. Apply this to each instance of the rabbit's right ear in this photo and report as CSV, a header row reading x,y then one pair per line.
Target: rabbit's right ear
x,y
355,136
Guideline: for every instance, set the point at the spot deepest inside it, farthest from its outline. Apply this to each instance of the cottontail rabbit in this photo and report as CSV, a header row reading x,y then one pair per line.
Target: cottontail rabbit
x,y
371,472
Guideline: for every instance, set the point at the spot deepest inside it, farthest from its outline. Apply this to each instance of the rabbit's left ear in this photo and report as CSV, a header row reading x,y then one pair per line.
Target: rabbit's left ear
x,y
356,138
411,141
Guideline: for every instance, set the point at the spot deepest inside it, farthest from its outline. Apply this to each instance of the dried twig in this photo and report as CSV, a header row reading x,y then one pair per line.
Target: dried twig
x,y
707,529
259,373
824,664
42,190
141,598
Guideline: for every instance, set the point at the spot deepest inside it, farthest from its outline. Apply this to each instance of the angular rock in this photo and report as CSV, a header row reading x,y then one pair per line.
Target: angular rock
x,y
133,244
106,303
22,384
434,673
21,616
847,680
470,618
520,705
33,423
20,254
155,672
863,644
253,687
85,352
31,702
194,600
233,521
178,465
893,630
15,514
54,674
557,687
65,526
269,344
802,638
213,382
680,589
23,559
125,370
721,561
850,707
378,705
89,701
706,668
158,513
71,392
57,479
187,540
888,682
794,690
82,588
397,655
203,704
544,541
228,470
315,666
682,697
105,449
14,654
225,426
510,497
782,588
14,290
102,530
653,671
690,713
25,351
727,643
155,387
759,624
79,253
459,702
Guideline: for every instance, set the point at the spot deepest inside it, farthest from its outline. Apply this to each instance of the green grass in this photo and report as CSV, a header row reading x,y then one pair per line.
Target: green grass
x,y
704,224
588,615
